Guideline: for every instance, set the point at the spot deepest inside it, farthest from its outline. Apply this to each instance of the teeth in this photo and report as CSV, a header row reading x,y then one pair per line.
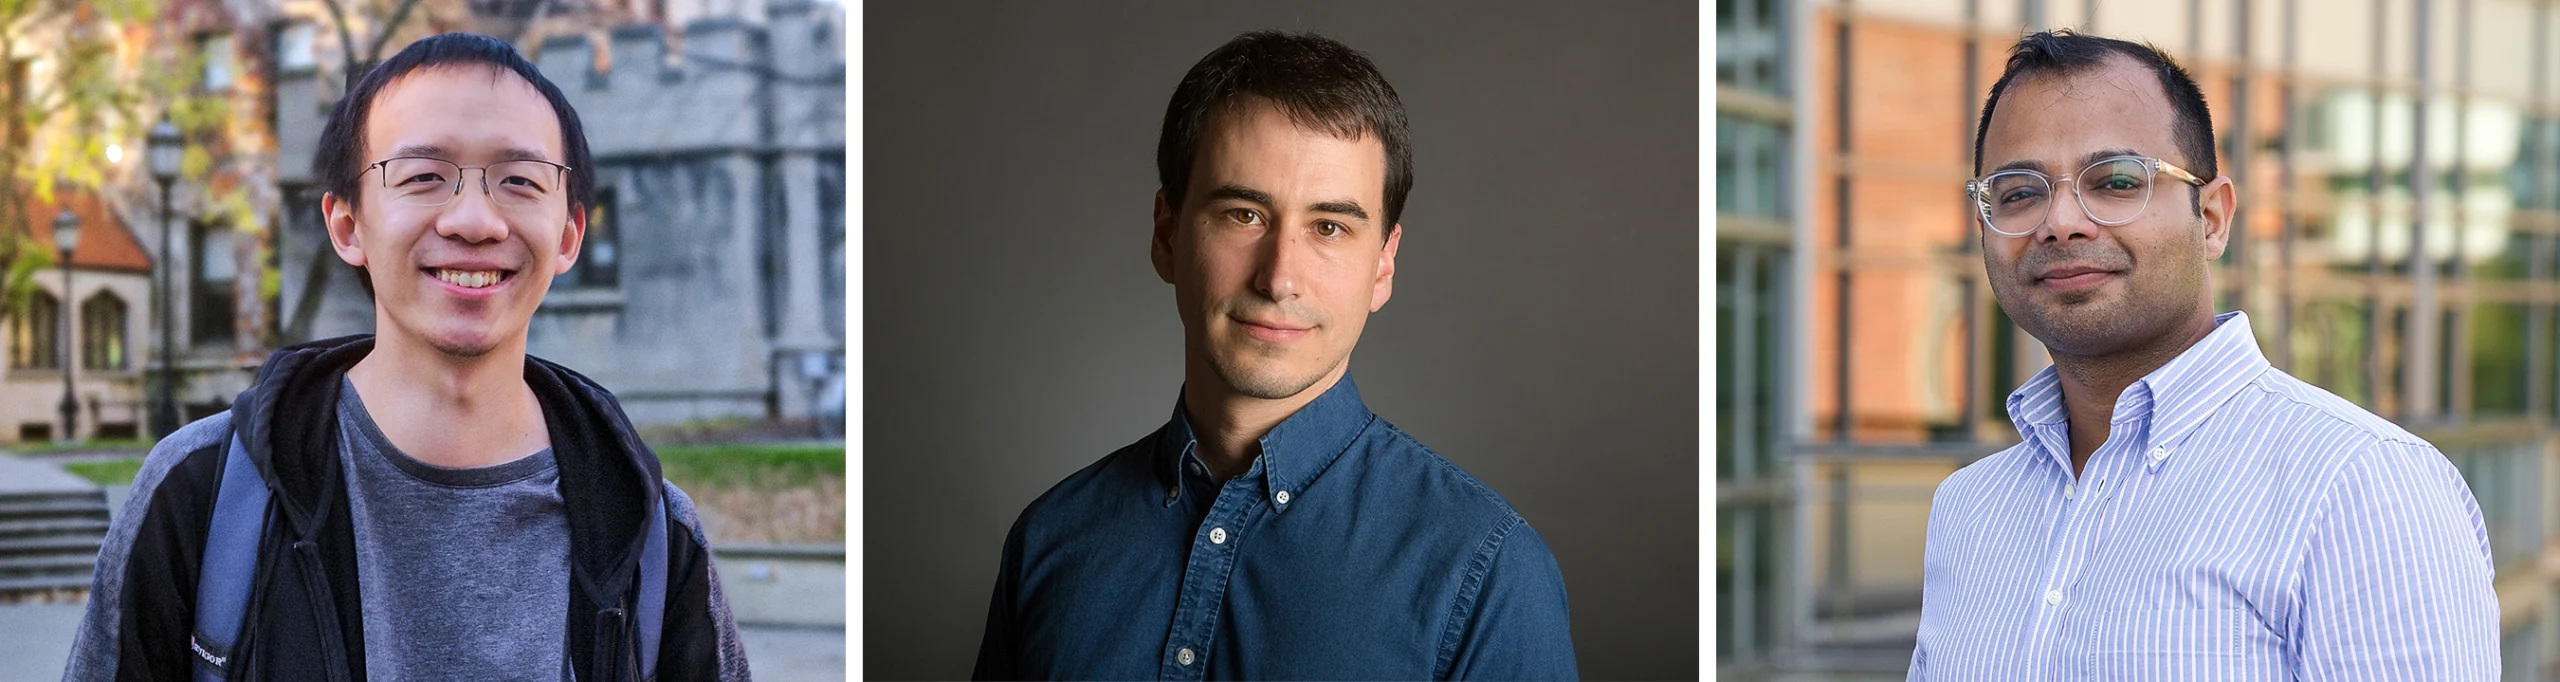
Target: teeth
x,y
468,279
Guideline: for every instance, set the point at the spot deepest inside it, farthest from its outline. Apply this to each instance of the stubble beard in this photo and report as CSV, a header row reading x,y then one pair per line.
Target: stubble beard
x,y
2080,323
1267,383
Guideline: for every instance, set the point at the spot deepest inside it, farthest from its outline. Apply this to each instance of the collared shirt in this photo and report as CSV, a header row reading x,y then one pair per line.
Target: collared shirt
x,y
1348,550
2238,524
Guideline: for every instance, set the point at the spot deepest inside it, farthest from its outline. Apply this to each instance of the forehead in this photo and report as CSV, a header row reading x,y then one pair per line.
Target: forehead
x,y
2052,119
1253,141
470,109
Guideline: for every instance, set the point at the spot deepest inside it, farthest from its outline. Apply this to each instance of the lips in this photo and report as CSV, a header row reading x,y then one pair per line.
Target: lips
x,y
1273,331
2073,276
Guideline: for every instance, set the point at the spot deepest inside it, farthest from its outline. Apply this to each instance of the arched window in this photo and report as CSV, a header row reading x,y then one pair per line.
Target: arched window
x,y
102,326
35,335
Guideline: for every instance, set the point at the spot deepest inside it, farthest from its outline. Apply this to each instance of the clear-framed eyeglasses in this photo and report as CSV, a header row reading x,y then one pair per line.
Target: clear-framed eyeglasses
x,y
423,181
2112,192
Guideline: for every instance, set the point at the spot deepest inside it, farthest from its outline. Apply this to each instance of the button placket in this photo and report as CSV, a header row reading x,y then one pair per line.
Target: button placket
x,y
1205,581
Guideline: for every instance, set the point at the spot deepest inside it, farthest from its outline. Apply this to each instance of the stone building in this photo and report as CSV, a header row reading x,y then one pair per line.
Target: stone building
x,y
713,278
108,315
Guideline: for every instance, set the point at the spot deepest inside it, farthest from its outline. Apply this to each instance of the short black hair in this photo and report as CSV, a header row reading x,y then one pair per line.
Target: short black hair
x,y
2062,52
339,161
1319,83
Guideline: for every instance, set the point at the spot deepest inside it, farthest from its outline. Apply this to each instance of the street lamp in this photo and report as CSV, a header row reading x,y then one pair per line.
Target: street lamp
x,y
66,236
162,154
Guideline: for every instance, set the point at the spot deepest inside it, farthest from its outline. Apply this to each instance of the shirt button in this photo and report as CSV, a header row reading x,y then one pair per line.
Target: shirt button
x,y
2066,491
1281,497
1196,470
2053,597
1217,536
2159,453
1183,656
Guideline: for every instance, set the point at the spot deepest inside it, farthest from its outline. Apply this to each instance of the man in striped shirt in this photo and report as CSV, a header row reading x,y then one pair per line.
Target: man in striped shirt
x,y
2178,509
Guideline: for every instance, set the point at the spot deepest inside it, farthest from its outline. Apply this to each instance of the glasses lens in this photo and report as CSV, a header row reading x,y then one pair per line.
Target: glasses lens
x,y
2115,190
420,182
2015,201
524,183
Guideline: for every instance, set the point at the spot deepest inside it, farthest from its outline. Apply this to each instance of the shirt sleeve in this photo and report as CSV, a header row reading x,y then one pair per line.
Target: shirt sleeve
x,y
2395,582
1520,627
995,648
142,592
697,607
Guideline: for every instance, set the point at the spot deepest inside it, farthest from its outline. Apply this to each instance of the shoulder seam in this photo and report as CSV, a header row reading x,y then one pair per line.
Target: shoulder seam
x,y
1462,609
1483,492
2268,381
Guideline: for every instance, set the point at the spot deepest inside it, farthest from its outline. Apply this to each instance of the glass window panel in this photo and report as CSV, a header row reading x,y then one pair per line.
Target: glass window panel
x,y
2497,359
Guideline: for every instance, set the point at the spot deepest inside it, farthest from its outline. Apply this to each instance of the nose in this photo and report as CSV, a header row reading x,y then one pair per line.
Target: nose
x,y
472,216
2067,224
1276,275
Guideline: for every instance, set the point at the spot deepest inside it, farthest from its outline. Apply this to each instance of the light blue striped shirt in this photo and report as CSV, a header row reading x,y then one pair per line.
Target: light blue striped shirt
x,y
2238,524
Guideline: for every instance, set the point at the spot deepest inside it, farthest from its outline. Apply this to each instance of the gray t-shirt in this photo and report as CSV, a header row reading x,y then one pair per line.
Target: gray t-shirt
x,y
464,572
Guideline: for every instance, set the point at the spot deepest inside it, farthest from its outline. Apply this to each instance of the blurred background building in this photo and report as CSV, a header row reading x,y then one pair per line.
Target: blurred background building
x,y
2399,172
712,283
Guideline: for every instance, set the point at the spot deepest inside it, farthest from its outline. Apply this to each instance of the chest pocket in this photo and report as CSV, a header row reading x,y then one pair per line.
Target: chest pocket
x,y
2181,644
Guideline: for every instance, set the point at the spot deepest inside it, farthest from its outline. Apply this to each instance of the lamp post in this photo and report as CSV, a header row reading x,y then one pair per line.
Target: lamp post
x,y
162,153
66,236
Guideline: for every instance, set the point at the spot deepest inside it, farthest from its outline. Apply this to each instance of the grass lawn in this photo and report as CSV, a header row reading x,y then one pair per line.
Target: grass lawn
x,y
136,446
762,493
751,493
106,471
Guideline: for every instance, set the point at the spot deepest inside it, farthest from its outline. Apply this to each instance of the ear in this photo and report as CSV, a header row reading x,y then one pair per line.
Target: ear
x,y
2220,200
1160,247
573,236
343,236
1386,286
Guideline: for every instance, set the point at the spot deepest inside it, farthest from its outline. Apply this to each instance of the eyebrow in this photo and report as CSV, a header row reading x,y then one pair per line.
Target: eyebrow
x,y
2085,160
435,151
1243,193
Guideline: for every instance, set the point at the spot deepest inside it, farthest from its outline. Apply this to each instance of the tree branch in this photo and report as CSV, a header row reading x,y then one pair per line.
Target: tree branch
x,y
383,38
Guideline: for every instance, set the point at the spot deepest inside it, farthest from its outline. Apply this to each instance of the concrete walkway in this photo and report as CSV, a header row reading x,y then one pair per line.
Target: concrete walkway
x,y
35,642
21,475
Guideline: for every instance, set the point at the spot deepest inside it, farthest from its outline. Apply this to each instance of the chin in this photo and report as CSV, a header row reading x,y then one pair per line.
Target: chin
x,y
1264,378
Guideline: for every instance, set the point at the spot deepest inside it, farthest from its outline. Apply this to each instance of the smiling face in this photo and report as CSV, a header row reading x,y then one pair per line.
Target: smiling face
x,y
462,278
1278,252
2083,288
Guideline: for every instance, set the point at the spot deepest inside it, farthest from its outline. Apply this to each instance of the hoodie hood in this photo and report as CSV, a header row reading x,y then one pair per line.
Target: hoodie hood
x,y
609,480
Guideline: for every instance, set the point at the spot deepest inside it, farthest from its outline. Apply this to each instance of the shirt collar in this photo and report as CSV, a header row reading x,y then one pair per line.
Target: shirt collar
x,y
1294,452
2173,399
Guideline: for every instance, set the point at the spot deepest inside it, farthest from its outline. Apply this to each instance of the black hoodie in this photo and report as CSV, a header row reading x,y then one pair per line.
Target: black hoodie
x,y
304,612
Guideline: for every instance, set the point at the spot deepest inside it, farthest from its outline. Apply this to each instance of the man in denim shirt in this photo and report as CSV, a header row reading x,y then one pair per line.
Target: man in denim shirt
x,y
1274,528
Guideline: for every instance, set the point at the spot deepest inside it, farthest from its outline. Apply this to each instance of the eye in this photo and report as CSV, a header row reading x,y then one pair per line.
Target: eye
x,y
2018,195
1329,229
1243,216
423,178
2120,183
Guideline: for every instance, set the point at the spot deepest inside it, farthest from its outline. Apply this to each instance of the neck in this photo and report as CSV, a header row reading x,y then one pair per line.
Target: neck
x,y
450,411
1229,426
2091,384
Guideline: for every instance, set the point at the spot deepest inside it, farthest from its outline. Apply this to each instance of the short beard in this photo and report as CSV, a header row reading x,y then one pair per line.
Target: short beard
x,y
1263,385
2143,319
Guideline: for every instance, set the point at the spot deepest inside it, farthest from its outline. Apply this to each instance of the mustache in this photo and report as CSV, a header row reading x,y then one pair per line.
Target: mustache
x,y
2040,258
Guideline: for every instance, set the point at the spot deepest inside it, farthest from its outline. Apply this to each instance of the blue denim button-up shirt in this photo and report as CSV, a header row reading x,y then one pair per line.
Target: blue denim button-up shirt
x,y
1348,550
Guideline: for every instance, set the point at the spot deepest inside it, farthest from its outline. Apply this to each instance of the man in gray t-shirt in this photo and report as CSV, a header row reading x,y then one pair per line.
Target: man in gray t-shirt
x,y
442,504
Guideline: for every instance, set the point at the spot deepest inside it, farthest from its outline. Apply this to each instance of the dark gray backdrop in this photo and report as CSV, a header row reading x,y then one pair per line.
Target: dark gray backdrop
x,y
1543,334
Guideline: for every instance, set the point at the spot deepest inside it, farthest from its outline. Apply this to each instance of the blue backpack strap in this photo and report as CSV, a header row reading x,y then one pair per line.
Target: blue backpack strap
x,y
652,607
230,563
